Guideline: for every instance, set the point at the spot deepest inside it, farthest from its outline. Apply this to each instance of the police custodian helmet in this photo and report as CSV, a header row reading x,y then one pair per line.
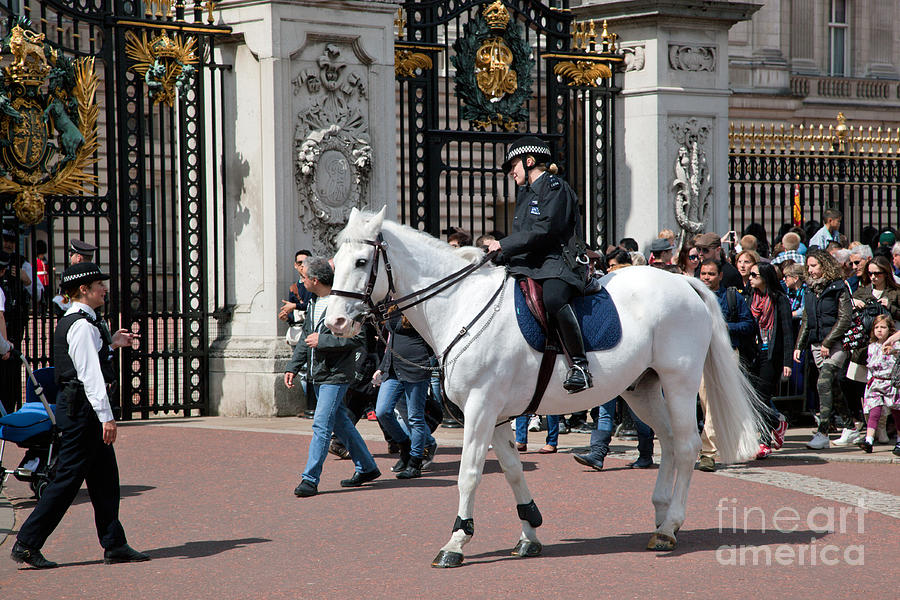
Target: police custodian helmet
x,y
524,146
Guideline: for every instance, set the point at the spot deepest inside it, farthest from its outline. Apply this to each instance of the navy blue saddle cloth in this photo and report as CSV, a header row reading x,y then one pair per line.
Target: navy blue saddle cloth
x,y
597,315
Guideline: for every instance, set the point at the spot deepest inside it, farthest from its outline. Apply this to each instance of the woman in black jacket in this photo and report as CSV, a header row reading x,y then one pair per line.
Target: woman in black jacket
x,y
404,369
827,315
772,312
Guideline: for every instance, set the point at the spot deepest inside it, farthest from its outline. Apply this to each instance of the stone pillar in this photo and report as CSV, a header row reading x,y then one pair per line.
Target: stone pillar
x,y
311,99
672,114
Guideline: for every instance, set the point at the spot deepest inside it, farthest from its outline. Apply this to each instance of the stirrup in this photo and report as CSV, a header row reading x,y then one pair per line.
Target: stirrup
x,y
578,386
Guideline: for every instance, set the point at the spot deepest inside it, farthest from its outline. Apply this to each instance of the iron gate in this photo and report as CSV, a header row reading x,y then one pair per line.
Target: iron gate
x,y
786,174
474,76
140,85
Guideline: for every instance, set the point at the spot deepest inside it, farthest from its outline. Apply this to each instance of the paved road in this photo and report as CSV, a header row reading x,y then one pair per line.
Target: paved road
x,y
211,501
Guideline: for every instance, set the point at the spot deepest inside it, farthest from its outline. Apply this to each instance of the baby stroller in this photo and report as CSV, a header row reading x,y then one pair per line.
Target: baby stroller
x,y
32,427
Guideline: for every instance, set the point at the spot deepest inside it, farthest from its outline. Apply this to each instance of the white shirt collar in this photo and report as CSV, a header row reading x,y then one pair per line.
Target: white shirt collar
x,y
76,306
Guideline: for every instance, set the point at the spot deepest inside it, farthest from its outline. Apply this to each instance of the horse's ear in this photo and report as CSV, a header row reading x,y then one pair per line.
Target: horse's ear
x,y
354,215
373,226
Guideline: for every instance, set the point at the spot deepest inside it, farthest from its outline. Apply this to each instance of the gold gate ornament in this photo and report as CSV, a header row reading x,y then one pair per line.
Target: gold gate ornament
x,y
32,164
166,63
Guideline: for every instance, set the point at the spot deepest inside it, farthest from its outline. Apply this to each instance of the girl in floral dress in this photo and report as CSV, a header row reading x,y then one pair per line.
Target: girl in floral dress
x,y
880,394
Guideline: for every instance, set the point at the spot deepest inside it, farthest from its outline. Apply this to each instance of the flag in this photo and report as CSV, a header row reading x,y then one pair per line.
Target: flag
x,y
796,215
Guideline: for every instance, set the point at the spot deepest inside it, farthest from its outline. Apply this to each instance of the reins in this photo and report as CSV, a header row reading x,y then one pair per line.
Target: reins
x,y
380,310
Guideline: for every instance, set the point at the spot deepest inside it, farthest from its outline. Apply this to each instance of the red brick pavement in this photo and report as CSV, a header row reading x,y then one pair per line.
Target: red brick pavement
x,y
215,510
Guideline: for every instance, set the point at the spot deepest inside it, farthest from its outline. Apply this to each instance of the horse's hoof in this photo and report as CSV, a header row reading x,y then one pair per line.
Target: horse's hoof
x,y
527,548
661,541
447,560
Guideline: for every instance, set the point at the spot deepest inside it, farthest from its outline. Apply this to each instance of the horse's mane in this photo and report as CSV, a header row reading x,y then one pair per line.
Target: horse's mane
x,y
354,234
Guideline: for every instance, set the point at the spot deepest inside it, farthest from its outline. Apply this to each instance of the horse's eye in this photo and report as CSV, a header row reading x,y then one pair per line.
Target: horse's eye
x,y
361,262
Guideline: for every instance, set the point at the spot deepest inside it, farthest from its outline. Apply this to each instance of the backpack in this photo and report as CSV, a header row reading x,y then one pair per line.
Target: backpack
x,y
748,345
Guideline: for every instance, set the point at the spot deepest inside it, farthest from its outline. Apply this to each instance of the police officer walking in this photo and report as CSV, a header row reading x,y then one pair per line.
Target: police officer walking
x,y
83,348
545,245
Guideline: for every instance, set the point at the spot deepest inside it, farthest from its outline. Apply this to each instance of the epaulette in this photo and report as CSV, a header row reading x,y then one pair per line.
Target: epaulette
x,y
554,182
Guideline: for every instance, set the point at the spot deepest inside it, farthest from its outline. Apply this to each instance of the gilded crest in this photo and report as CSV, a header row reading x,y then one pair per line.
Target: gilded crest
x,y
48,121
166,63
493,69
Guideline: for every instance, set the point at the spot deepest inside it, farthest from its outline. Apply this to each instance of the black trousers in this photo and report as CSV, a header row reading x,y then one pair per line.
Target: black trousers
x,y
83,457
557,293
11,369
766,377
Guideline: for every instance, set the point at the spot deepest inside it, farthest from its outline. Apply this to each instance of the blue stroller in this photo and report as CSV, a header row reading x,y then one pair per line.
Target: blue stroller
x,y
32,427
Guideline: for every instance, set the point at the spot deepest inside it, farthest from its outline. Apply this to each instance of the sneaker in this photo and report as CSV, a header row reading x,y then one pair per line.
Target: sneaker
x,y
896,450
866,445
881,435
339,450
819,441
706,464
370,416
778,434
848,437
428,456
534,424
764,452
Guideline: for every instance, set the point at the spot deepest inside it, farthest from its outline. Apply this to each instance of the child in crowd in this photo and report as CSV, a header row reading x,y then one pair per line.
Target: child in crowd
x,y
880,394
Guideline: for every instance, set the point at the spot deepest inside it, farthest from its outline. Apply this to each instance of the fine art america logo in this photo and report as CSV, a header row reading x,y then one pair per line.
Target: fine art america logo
x,y
818,522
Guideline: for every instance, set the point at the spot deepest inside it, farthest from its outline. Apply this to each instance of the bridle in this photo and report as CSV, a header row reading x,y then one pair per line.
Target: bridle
x,y
379,310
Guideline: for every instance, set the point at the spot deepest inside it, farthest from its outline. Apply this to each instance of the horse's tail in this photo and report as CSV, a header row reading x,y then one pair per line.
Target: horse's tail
x,y
735,407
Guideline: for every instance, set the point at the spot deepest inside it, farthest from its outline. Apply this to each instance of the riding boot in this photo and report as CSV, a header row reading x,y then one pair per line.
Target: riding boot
x,y
645,454
579,377
413,469
404,457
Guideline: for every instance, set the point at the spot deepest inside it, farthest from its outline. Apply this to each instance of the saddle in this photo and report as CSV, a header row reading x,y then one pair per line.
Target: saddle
x,y
601,328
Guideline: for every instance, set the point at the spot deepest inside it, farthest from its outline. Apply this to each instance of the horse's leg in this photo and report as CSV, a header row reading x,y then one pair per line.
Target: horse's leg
x,y
476,437
648,403
508,456
685,443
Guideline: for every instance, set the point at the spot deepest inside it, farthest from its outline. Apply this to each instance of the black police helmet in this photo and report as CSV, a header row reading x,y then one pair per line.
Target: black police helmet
x,y
83,273
524,146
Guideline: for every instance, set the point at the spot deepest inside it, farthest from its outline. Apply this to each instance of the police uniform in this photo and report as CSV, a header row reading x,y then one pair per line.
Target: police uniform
x,y
545,245
84,371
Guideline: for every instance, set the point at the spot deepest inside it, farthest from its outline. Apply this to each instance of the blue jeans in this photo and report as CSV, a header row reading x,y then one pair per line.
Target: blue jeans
x,y
416,432
332,416
605,423
552,429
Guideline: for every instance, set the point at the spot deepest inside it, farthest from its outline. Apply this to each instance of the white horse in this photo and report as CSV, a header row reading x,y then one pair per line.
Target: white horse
x,y
672,334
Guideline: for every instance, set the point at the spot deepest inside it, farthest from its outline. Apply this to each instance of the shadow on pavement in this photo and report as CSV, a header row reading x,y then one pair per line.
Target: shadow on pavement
x,y
696,540
126,491
204,548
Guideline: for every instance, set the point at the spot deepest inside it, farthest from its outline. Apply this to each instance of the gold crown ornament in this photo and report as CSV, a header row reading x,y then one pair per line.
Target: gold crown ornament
x,y
30,65
164,47
496,16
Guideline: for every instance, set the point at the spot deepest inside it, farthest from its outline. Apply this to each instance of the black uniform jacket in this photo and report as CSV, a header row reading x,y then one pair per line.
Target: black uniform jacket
x,y
546,218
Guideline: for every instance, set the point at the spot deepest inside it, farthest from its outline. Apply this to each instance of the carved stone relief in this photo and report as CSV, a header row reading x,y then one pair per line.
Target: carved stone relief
x,y
333,155
634,57
692,58
692,183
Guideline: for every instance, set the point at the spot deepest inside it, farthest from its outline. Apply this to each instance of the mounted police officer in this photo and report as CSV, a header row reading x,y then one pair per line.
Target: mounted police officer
x,y
83,348
545,245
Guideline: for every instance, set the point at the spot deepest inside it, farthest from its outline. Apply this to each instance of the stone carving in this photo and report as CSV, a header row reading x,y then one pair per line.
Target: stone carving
x,y
331,142
635,57
693,183
692,58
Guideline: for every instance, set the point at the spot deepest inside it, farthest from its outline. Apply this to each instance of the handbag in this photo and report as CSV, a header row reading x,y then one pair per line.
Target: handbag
x,y
895,371
858,334
295,331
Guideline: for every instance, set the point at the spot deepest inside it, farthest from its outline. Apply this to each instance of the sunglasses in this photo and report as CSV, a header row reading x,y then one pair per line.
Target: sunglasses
x,y
876,273
855,263
693,257
753,275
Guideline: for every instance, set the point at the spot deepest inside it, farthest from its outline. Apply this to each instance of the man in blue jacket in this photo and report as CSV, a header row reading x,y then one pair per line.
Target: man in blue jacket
x,y
329,365
740,323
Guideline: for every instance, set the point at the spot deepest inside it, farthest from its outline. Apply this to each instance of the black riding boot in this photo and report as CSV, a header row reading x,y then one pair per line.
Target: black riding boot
x,y
579,377
599,449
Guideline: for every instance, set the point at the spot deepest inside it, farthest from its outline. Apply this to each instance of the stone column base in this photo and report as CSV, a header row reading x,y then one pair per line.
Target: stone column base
x,y
246,379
